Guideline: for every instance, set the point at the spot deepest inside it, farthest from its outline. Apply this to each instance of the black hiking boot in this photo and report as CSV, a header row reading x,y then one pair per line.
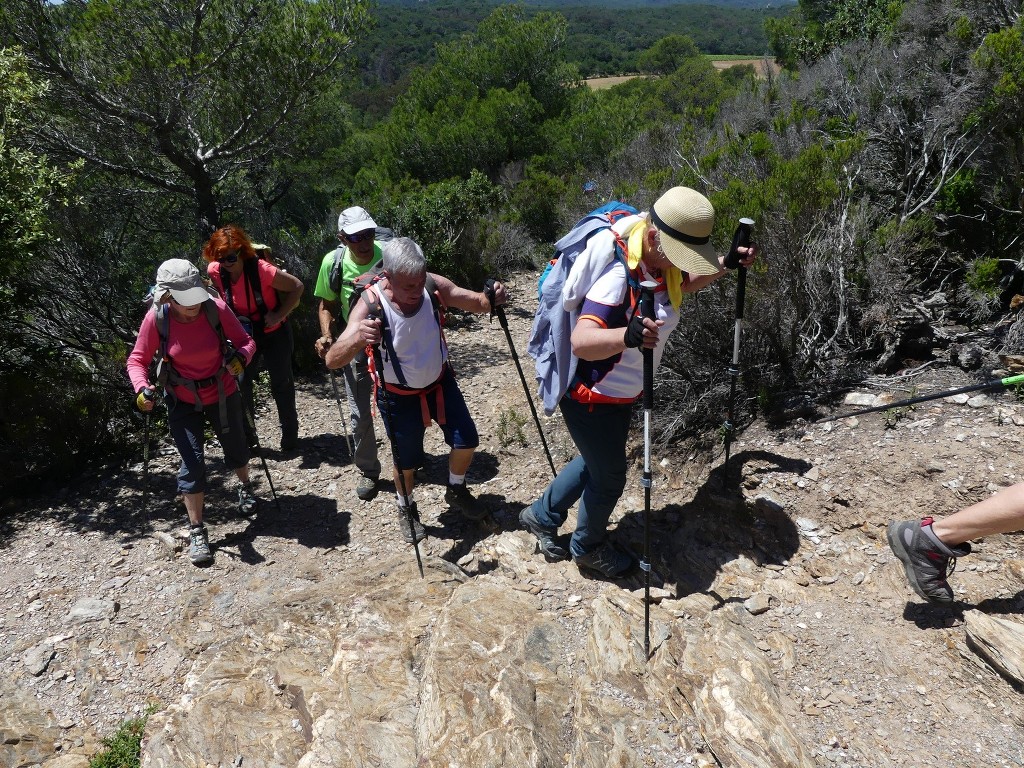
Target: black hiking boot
x,y
417,532
606,560
459,498
545,536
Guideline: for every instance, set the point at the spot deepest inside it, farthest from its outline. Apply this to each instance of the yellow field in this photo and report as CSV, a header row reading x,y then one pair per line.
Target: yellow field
x,y
597,83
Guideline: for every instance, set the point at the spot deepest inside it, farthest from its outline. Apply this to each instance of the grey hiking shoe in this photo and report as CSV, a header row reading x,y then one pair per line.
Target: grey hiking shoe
x,y
366,488
247,501
927,562
606,560
460,499
417,532
199,546
545,536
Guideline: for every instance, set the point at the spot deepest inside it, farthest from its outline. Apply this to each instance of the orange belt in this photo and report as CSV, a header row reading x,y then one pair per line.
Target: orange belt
x,y
433,389
581,394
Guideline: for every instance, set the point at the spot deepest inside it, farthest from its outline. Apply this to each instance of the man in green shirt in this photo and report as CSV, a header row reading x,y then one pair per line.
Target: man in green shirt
x,y
359,252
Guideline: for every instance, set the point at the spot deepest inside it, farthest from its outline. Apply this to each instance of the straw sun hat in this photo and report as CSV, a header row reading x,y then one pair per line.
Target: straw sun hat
x,y
685,218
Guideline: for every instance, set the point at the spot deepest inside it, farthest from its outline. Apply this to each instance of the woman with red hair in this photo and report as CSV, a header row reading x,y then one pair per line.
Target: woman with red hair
x,y
262,296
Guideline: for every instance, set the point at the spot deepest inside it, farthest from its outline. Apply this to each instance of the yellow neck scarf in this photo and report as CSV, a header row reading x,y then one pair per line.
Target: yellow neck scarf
x,y
672,276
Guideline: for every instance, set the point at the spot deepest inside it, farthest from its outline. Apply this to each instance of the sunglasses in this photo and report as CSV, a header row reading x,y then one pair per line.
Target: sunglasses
x,y
228,258
359,237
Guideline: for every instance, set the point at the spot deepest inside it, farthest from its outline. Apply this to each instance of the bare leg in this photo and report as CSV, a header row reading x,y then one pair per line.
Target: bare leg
x,y
459,460
243,474
410,480
194,507
1002,513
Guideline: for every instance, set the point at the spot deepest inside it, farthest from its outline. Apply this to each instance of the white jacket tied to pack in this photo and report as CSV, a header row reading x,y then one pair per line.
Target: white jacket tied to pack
x,y
581,257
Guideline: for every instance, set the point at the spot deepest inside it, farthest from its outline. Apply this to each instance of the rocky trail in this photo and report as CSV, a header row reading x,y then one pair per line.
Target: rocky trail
x,y
782,630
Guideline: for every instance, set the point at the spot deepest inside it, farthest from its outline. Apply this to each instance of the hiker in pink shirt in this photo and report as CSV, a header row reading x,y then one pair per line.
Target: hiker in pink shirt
x,y
199,347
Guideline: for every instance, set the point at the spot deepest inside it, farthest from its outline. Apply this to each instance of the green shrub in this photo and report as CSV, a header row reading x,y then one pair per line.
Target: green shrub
x,y
983,277
123,749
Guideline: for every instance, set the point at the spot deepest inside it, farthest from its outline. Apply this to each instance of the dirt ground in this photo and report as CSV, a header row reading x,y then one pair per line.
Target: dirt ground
x,y
868,674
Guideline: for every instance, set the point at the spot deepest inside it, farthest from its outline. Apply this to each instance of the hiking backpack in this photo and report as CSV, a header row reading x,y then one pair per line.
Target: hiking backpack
x,y
252,285
553,322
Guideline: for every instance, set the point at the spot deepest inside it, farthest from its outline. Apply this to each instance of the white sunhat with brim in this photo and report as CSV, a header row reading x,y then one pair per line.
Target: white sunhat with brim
x,y
685,219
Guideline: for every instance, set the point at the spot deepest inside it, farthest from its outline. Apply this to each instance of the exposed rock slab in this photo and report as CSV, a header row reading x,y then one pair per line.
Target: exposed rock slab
x,y
999,641
734,699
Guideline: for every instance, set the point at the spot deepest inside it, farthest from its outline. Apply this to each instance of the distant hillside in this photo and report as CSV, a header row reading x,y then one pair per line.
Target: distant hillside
x,y
602,40
563,4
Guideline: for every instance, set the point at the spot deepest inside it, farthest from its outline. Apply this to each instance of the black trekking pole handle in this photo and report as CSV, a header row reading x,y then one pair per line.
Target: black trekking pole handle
x,y
378,364
647,311
740,239
503,322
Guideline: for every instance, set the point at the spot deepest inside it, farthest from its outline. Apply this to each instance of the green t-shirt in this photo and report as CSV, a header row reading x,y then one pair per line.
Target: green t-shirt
x,y
349,272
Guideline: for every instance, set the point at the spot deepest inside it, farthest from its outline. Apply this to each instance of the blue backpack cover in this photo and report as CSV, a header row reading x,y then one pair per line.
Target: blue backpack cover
x,y
552,325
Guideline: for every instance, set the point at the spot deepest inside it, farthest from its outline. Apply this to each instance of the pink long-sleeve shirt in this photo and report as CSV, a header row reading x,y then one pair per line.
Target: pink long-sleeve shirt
x,y
195,349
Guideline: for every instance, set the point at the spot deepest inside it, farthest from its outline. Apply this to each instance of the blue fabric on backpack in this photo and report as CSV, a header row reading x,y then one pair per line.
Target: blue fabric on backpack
x,y
549,343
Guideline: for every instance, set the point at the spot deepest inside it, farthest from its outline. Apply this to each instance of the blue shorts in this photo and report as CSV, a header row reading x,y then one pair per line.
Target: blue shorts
x,y
403,419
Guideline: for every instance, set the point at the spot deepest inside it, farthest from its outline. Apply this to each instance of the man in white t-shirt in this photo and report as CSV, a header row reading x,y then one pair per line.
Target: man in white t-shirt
x,y
416,385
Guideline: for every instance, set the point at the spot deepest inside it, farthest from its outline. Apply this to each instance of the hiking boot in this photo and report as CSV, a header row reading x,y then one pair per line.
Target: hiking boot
x,y
606,560
460,499
417,532
247,501
366,488
927,562
199,546
545,536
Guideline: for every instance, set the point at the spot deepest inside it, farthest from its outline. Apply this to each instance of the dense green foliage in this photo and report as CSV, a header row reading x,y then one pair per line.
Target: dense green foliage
x,y
886,167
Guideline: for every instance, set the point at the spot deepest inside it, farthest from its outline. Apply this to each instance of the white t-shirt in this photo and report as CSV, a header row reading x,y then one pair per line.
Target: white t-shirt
x,y
417,342
622,375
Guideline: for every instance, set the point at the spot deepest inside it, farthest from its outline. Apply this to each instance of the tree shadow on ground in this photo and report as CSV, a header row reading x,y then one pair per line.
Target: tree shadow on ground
x,y
114,506
690,543
314,522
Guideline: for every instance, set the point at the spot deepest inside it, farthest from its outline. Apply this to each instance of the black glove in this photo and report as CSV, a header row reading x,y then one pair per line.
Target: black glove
x,y
634,336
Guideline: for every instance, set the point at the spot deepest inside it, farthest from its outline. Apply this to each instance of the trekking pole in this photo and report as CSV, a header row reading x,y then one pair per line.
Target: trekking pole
x,y
1009,381
149,394
646,310
251,418
378,365
145,464
740,238
503,321
341,413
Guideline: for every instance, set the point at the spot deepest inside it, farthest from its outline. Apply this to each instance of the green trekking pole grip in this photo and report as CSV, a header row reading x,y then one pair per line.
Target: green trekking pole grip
x,y
1008,381
647,311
